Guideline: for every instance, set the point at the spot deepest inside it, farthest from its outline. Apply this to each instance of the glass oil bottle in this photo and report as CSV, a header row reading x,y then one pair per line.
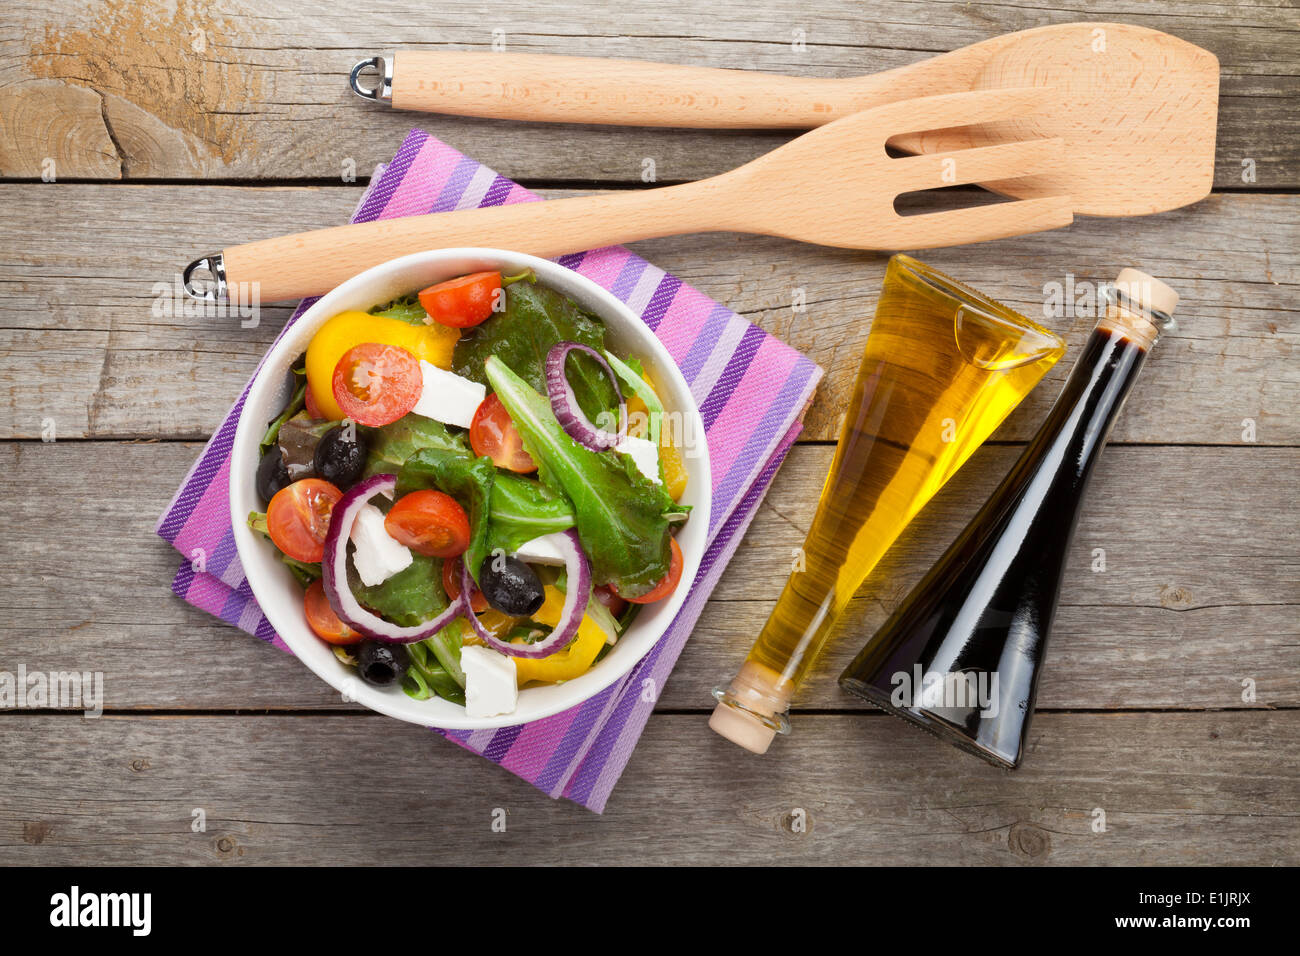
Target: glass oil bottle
x,y
943,366
962,655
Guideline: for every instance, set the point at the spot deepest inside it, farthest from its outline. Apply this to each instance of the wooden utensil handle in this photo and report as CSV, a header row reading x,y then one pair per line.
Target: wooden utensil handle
x,y
572,89
312,263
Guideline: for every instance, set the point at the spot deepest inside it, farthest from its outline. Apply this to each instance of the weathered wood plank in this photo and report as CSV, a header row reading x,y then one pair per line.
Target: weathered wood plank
x,y
260,92
79,307
85,586
1204,789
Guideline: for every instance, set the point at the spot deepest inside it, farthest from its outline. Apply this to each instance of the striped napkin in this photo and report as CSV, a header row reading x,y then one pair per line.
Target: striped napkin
x,y
751,388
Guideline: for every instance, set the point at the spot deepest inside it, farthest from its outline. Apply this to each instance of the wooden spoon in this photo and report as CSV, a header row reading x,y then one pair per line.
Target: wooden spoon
x,y
1136,107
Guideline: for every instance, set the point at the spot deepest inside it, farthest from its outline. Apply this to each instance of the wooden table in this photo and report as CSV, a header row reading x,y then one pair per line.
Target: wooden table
x,y
1170,703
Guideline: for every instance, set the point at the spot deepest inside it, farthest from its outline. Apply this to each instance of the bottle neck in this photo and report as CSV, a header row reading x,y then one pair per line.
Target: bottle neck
x,y
1129,318
1079,423
1076,429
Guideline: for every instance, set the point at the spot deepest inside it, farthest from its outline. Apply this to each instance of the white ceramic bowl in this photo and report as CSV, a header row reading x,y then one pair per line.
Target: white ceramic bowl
x,y
280,595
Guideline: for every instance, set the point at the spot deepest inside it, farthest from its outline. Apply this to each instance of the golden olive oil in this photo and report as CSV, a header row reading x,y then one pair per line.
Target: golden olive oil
x,y
943,367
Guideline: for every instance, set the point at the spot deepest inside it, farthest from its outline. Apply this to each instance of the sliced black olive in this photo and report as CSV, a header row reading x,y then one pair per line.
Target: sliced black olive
x,y
510,585
341,456
271,473
382,664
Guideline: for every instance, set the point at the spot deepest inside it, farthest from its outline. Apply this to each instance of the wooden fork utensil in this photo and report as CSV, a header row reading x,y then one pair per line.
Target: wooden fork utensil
x,y
835,186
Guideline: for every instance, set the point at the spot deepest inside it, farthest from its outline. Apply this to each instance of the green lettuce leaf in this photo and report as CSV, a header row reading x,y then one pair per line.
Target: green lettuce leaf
x,y
523,509
391,445
536,318
405,309
620,514
467,479
411,596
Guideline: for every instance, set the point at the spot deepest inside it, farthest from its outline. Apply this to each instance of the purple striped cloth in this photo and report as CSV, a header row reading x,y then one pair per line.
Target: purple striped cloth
x,y
752,390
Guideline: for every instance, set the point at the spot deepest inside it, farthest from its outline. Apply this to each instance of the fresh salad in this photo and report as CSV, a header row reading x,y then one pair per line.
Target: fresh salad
x,y
475,493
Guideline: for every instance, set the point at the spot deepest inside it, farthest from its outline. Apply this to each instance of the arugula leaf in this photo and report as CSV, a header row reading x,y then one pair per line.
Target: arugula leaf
x,y
296,404
446,646
523,509
411,596
536,318
391,445
631,374
405,308
620,513
465,478
425,679
304,571
430,673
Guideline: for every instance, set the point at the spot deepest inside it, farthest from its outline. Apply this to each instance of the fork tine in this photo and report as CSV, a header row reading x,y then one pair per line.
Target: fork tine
x,y
976,165
953,227
955,109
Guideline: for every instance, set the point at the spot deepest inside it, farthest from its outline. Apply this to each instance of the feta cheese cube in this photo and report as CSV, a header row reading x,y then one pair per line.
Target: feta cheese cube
x,y
645,453
448,398
541,550
491,687
376,555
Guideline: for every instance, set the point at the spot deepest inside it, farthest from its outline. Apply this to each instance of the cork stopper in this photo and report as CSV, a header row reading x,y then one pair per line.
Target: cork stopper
x,y
1142,307
1147,291
751,711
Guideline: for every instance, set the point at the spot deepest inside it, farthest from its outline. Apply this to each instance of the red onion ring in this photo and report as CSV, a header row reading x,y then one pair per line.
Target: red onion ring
x,y
576,596
467,587
565,405
334,574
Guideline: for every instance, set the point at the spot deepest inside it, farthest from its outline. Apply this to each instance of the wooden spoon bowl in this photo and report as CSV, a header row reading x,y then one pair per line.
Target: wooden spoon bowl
x,y
1137,109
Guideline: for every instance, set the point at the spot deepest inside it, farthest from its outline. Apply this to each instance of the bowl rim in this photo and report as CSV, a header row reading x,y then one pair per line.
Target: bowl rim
x,y
393,702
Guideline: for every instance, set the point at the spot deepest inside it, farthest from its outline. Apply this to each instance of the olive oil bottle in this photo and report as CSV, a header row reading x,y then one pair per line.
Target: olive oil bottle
x,y
961,656
943,366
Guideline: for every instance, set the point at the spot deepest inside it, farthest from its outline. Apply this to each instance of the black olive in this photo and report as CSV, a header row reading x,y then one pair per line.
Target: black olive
x,y
382,664
271,473
341,456
510,586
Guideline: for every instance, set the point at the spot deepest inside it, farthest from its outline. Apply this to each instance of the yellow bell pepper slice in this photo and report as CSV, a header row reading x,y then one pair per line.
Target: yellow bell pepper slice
x,y
637,417
674,469
670,456
569,662
433,343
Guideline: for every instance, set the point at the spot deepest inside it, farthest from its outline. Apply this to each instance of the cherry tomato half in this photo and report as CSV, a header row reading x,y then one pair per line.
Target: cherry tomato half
x,y
669,583
322,619
461,303
298,518
376,384
492,433
451,584
309,403
430,523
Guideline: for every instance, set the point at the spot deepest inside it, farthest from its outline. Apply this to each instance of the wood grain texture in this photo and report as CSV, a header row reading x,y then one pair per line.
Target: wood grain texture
x,y
1203,788
79,307
1162,627
266,97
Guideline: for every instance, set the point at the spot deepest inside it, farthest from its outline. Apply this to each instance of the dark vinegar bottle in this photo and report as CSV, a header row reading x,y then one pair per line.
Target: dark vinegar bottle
x,y
961,656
